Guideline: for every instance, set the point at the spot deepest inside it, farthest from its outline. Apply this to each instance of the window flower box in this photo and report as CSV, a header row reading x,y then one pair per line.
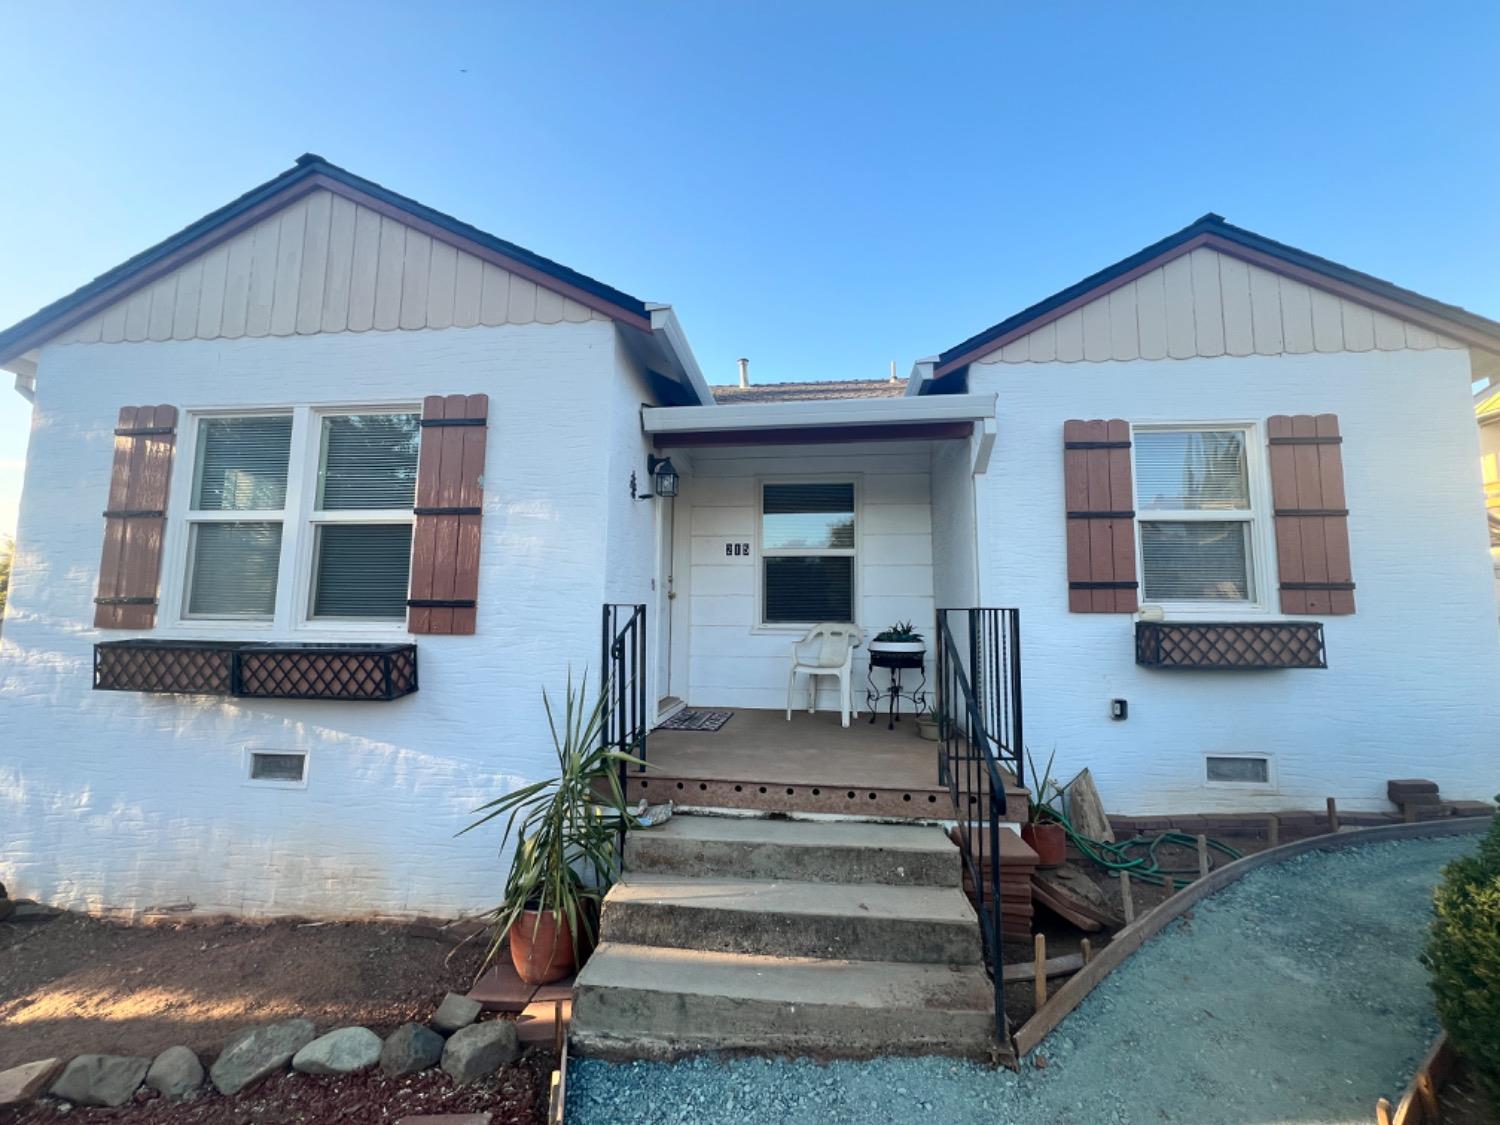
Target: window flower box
x,y
1230,644
369,672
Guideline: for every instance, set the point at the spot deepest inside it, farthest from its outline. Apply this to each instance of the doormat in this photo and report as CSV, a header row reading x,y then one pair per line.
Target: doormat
x,y
688,719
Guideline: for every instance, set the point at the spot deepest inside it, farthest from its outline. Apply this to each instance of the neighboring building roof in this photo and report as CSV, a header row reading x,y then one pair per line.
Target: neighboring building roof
x,y
810,392
1213,231
310,173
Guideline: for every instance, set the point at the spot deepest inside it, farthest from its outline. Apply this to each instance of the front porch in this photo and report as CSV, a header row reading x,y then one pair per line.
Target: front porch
x,y
762,762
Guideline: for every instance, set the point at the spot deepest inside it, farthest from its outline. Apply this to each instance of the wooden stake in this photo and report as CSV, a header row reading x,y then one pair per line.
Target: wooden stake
x,y
1273,830
1427,1095
1087,949
1203,857
559,1028
1383,1112
1333,815
1040,986
1126,902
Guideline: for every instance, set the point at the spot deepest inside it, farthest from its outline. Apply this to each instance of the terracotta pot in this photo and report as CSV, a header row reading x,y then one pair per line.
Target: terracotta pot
x,y
542,952
1049,841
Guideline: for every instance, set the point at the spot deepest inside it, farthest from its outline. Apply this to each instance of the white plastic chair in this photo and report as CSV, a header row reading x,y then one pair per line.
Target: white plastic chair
x,y
827,650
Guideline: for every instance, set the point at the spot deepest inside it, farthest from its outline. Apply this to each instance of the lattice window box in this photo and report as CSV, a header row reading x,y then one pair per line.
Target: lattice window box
x,y
361,672
1230,644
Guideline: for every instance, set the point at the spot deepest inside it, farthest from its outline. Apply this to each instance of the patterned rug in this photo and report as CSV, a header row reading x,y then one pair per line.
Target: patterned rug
x,y
688,719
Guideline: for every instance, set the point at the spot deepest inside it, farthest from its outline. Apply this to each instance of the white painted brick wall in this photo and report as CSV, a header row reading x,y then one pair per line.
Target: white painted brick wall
x,y
124,800
1411,686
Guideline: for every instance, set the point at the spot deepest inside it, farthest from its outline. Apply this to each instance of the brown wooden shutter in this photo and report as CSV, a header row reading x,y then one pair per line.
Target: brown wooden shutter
x,y
450,499
1312,522
130,567
1101,517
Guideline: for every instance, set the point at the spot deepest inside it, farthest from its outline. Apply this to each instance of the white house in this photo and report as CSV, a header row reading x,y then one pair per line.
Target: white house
x,y
327,415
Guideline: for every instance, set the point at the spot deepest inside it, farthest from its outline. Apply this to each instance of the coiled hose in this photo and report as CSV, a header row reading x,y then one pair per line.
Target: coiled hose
x,y
1126,855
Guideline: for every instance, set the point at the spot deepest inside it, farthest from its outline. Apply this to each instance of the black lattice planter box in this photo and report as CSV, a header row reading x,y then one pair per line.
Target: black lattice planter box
x,y
1230,644
370,672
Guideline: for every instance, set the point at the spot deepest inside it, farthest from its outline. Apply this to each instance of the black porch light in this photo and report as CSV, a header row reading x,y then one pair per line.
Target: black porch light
x,y
663,479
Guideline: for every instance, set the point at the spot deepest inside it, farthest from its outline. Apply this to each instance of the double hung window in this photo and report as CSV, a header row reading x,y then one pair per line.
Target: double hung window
x,y
807,548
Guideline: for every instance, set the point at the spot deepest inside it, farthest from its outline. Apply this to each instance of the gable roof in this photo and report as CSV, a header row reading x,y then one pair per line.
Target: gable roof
x,y
811,391
311,173
1214,232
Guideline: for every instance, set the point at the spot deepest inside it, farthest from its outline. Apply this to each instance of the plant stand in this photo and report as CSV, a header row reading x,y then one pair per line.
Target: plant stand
x,y
896,657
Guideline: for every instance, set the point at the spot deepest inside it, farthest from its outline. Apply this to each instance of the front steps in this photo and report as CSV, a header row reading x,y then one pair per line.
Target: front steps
x,y
837,939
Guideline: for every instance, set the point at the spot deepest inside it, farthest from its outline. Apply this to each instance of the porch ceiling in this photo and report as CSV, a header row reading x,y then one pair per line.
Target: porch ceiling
x,y
933,418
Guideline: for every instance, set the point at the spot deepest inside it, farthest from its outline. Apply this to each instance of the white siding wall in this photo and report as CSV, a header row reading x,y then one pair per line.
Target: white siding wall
x,y
1410,688
735,663
124,801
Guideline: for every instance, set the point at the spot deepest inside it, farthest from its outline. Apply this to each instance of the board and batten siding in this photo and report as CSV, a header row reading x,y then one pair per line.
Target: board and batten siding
x,y
733,661
1205,303
326,264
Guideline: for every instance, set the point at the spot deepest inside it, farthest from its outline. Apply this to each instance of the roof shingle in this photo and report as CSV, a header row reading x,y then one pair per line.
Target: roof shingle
x,y
810,391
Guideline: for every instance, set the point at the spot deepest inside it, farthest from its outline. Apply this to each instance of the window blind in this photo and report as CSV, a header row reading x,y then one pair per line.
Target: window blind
x,y
242,463
809,588
1191,470
234,568
808,517
368,461
362,570
1196,561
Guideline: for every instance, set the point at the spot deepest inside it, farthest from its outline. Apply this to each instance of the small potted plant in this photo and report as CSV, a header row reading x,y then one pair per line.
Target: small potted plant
x,y
1043,830
901,637
565,830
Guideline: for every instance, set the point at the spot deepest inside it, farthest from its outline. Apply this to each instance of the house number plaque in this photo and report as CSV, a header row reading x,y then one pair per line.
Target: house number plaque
x,y
737,550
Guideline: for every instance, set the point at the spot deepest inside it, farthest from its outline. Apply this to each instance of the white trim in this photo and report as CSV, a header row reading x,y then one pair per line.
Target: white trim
x,y
1262,562
247,764
856,481
818,412
1268,786
292,618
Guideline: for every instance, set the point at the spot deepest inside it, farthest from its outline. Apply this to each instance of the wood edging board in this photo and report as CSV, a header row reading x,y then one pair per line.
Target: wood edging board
x,y
1431,1075
557,1104
1133,936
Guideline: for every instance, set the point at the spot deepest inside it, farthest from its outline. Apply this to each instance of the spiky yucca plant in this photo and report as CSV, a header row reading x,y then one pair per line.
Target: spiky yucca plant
x,y
565,827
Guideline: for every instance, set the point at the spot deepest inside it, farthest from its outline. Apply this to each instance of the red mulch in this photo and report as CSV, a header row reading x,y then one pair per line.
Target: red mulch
x,y
517,1094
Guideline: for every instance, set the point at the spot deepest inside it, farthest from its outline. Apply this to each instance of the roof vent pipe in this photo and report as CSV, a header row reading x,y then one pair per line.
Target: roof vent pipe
x,y
744,372
893,372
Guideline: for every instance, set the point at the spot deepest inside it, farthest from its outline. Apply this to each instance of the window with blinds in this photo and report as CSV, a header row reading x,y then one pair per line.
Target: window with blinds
x,y
1195,510
367,479
807,552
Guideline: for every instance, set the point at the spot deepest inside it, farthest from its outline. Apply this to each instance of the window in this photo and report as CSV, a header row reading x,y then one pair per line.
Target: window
x,y
1196,511
1238,769
807,552
277,769
319,502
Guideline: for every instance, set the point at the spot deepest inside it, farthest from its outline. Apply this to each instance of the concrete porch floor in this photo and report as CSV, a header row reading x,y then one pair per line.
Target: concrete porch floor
x,y
759,760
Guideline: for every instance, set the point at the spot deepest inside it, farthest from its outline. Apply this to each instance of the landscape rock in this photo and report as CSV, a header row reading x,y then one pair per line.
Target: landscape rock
x,y
175,1074
454,1012
252,1054
479,1050
21,1084
348,1050
107,1080
410,1048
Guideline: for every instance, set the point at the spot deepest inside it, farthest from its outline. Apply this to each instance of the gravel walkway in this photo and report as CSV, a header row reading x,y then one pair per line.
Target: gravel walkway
x,y
1293,996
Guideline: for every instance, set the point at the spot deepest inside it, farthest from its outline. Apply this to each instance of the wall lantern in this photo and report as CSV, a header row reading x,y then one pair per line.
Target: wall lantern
x,y
663,479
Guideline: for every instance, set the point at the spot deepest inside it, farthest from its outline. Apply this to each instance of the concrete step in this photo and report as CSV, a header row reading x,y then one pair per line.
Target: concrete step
x,y
870,922
643,1001
806,851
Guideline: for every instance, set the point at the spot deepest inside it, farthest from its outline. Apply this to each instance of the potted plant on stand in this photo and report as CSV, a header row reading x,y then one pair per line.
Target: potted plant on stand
x,y
1043,830
900,638
565,830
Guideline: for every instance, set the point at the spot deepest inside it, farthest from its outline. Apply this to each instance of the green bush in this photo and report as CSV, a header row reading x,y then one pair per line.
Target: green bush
x,y
1463,954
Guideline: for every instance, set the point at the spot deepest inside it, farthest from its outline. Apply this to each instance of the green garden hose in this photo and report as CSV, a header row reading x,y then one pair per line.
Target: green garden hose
x,y
1145,867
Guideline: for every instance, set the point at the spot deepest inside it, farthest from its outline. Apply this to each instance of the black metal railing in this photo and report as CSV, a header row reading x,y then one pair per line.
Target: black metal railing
x,y
979,736
622,663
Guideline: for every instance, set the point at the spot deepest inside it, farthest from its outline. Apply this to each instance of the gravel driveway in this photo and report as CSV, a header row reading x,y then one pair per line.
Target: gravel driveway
x,y
1293,996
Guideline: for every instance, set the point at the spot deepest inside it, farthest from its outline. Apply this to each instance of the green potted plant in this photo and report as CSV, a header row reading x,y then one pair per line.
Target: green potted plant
x,y
901,637
1043,830
565,830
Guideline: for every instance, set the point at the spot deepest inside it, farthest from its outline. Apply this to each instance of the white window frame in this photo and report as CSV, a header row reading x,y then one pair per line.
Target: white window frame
x,y
1269,785
1262,557
299,521
762,552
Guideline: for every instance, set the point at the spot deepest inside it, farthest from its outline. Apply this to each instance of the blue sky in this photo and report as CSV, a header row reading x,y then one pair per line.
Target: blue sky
x,y
823,187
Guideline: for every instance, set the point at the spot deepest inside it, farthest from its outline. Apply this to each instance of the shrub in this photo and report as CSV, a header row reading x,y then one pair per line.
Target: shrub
x,y
1463,954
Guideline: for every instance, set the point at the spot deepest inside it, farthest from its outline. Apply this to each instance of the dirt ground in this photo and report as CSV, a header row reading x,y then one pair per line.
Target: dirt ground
x,y
1461,1103
74,984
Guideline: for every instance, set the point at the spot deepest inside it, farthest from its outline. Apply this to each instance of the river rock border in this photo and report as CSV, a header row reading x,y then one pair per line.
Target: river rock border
x,y
467,1050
